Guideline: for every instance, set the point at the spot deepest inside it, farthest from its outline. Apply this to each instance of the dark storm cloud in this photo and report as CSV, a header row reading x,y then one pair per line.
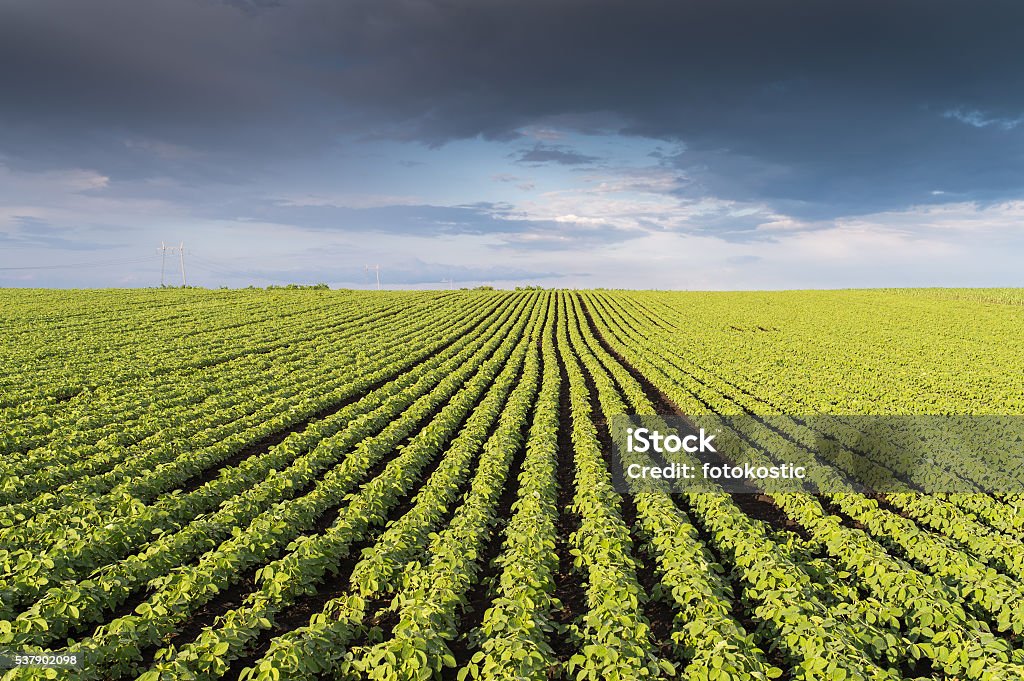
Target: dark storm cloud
x,y
541,154
818,108
479,219
136,87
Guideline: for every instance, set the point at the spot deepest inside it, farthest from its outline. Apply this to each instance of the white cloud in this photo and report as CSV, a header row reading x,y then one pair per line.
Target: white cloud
x,y
979,119
543,134
27,185
675,241
967,217
648,199
343,200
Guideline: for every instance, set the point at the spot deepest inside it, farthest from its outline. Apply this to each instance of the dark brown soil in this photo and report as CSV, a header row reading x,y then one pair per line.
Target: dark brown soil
x,y
569,585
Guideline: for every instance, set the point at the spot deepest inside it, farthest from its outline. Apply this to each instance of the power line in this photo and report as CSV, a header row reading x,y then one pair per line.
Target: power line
x,y
212,266
224,268
107,263
202,267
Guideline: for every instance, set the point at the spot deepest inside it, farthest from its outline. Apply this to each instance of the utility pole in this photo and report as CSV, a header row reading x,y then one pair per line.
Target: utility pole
x,y
450,282
181,254
376,269
173,250
163,262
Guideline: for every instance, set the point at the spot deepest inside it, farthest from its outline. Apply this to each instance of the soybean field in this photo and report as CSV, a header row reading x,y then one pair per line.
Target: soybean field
x,y
404,485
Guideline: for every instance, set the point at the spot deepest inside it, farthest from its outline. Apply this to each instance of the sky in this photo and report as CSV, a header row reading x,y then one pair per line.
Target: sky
x,y
735,144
